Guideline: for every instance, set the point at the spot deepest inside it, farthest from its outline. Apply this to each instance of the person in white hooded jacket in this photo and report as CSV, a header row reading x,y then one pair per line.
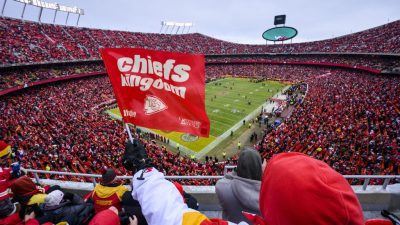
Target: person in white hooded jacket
x,y
160,200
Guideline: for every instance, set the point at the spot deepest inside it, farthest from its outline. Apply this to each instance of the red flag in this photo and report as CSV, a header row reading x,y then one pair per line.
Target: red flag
x,y
162,90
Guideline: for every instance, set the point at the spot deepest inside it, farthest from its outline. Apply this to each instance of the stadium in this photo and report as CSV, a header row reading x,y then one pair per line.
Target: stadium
x,y
333,102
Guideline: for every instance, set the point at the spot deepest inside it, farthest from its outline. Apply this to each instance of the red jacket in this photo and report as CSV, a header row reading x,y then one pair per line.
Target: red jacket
x,y
104,197
5,176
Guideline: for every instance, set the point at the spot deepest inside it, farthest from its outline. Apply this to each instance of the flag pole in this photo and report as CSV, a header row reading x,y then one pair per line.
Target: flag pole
x,y
129,132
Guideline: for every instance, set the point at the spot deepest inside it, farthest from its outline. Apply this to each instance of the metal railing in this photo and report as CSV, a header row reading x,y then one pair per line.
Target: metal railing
x,y
94,176
367,178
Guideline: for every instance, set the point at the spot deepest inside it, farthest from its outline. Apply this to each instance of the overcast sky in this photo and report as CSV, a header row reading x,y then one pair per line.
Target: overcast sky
x,y
241,21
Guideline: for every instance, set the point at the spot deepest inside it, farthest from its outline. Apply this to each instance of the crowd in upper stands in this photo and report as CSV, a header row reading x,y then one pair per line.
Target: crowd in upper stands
x,y
36,42
274,72
16,76
24,42
21,76
368,61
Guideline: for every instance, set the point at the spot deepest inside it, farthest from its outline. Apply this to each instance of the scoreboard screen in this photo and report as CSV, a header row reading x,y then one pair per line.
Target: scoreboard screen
x,y
281,19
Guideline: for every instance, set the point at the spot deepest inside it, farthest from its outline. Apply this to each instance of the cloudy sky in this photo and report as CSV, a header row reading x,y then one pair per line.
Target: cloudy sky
x,y
240,21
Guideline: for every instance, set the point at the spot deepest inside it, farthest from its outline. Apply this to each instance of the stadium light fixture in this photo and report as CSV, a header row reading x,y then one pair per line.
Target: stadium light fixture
x,y
178,25
49,5
169,23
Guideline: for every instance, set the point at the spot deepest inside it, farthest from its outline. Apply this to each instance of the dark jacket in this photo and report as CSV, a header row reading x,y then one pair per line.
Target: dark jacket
x,y
72,209
131,207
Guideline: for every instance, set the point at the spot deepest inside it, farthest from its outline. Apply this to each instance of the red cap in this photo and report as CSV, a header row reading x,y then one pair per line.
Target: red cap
x,y
24,186
297,189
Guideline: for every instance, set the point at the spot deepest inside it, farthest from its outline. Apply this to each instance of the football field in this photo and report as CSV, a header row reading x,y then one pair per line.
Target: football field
x,y
228,101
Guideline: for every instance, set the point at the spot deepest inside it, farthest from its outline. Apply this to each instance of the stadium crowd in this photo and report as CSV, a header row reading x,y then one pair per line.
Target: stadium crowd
x,y
353,126
56,128
36,42
21,76
24,42
18,76
348,119
273,72
111,203
368,61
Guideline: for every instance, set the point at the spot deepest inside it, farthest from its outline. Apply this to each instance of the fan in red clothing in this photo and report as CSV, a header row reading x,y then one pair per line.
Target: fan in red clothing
x,y
109,192
7,208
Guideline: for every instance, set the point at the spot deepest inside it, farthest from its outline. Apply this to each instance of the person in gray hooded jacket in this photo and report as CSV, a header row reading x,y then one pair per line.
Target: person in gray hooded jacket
x,y
239,191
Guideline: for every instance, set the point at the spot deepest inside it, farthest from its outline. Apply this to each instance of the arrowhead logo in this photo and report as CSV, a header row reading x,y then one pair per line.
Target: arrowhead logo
x,y
153,105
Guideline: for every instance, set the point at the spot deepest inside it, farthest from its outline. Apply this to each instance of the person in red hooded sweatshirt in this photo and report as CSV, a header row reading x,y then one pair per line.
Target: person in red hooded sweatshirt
x,y
295,190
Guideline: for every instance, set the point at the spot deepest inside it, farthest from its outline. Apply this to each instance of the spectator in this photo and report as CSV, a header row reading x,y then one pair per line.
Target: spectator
x,y
59,207
297,189
26,192
109,192
171,209
6,206
240,190
131,207
30,196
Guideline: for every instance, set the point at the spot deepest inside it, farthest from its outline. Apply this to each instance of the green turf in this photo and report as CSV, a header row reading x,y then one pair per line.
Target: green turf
x,y
231,105
227,104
